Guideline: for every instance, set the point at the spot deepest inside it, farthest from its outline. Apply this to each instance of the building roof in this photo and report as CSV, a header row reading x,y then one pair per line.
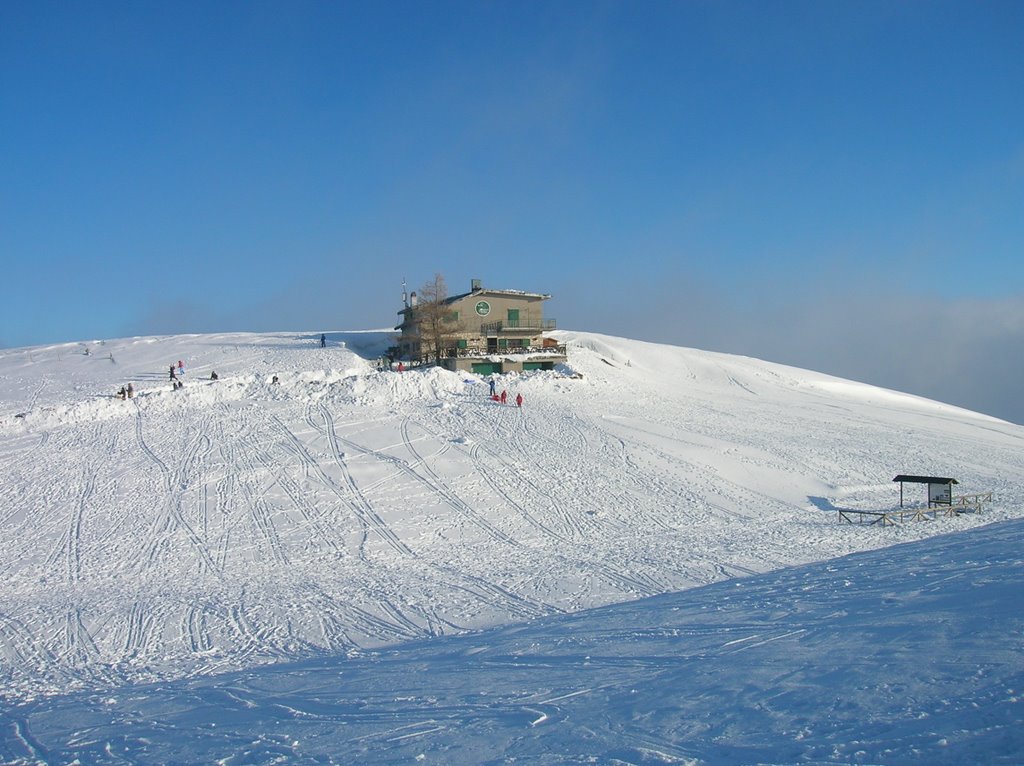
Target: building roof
x,y
506,293
925,479
481,291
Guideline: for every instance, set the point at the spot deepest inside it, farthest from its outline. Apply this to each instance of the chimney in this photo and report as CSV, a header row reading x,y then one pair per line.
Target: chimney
x,y
413,300
475,285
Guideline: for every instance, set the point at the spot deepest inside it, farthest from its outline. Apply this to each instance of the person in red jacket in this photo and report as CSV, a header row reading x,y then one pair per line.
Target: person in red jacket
x,y
504,394
519,400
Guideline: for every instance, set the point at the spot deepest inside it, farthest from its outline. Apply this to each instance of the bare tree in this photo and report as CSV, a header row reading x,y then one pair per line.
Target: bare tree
x,y
433,317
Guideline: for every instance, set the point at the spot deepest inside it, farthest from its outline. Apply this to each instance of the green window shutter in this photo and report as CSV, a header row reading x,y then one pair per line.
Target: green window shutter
x,y
463,343
513,317
502,342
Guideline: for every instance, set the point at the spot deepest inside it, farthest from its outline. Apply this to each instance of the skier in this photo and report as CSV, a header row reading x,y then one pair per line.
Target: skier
x,y
130,391
173,376
323,340
213,375
181,368
121,393
504,394
519,400
401,367
491,382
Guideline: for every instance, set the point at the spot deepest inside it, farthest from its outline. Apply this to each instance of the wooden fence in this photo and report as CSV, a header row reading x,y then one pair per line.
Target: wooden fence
x,y
959,504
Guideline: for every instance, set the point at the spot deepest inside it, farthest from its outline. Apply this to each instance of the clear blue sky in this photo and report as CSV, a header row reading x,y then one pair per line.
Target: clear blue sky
x,y
837,185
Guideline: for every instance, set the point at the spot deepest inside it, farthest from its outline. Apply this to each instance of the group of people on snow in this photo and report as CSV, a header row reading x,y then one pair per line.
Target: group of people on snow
x,y
503,396
176,372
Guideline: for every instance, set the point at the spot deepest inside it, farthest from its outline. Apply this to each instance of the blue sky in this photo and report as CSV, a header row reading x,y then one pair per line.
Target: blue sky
x,y
834,185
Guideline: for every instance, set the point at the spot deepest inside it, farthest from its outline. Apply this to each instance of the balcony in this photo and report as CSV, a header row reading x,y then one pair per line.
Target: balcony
x,y
553,351
526,324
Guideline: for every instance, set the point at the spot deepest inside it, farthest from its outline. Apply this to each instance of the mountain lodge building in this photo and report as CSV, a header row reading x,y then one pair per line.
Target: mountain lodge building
x,y
483,331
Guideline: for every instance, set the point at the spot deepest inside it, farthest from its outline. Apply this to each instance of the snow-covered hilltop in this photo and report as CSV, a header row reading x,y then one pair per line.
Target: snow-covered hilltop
x,y
240,522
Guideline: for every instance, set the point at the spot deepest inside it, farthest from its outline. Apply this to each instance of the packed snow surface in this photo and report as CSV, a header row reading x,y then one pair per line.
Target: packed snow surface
x,y
906,655
205,539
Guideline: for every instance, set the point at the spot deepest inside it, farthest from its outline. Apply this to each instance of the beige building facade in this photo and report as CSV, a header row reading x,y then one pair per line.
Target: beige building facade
x,y
484,331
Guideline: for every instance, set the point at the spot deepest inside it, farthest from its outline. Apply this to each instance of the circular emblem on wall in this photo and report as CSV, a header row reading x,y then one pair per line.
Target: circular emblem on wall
x,y
483,308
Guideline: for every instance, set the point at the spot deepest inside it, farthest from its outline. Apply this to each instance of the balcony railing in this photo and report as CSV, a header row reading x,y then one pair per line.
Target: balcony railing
x,y
517,325
452,353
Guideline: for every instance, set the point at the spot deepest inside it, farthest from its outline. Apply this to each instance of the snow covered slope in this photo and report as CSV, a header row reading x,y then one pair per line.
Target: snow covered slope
x,y
907,655
237,522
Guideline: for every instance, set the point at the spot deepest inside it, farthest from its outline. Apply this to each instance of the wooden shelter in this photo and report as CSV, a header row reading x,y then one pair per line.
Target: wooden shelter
x,y
940,488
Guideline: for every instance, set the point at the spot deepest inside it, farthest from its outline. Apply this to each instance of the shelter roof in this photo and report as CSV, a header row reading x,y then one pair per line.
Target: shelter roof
x,y
926,479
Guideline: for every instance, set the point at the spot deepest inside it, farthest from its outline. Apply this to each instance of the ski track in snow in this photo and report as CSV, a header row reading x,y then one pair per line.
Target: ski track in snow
x,y
236,522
